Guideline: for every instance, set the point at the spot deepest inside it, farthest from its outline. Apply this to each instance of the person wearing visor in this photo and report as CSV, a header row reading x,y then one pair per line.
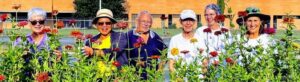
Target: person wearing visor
x,y
107,41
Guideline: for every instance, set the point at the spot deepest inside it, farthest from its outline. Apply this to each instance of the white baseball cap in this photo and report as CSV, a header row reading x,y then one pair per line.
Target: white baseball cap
x,y
188,14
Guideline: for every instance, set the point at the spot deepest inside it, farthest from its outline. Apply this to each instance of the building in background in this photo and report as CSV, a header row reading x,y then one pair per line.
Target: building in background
x,y
169,8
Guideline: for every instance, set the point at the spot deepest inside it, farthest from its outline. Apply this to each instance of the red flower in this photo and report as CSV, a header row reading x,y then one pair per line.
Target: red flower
x,y
116,63
16,6
22,23
208,30
42,77
69,47
4,17
220,18
288,20
270,31
122,24
72,22
224,30
60,24
218,33
54,12
229,60
137,45
242,13
163,17
2,78
116,49
214,53
46,30
184,51
88,36
80,37
75,33
1,30
155,57
54,31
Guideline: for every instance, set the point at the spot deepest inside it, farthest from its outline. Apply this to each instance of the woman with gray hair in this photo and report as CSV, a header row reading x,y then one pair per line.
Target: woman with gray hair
x,y
36,19
215,35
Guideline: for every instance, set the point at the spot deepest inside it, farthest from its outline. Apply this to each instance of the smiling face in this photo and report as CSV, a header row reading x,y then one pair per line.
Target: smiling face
x,y
144,23
210,15
37,23
188,24
253,24
104,26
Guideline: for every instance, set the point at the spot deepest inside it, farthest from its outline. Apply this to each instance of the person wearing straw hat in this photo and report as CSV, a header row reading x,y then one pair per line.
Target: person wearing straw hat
x,y
107,41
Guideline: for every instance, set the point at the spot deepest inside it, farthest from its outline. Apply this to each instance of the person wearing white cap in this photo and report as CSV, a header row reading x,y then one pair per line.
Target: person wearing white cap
x,y
188,44
107,41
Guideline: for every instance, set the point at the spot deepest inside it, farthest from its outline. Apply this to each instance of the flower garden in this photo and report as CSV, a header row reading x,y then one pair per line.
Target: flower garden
x,y
277,63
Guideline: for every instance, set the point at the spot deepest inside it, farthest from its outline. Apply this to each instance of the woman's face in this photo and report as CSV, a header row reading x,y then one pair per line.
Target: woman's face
x,y
210,15
253,24
37,23
188,25
104,26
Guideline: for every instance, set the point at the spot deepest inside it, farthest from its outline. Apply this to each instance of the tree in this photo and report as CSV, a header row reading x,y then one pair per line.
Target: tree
x,y
88,8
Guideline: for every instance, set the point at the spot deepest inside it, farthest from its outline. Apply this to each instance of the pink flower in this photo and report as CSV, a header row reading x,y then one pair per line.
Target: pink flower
x,y
229,60
72,22
116,63
88,36
22,23
270,31
2,78
140,40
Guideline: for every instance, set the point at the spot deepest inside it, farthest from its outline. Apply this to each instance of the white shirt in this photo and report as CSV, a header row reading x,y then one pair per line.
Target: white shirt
x,y
182,44
214,42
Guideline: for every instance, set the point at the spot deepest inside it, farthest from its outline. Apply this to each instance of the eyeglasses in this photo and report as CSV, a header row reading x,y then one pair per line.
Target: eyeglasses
x,y
35,22
102,23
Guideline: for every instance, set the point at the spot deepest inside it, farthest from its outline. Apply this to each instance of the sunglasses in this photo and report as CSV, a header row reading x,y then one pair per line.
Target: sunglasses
x,y
35,22
102,23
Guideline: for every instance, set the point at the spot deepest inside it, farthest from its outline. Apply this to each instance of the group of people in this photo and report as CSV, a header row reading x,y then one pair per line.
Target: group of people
x,y
137,45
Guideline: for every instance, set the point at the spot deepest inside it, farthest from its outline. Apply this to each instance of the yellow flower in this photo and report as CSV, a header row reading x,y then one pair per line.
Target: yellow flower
x,y
102,67
296,45
174,51
194,40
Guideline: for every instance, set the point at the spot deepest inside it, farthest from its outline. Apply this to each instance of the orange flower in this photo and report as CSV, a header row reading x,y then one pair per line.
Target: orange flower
x,y
116,63
54,31
42,77
46,30
2,78
137,45
22,23
16,6
175,51
193,40
75,33
155,57
60,24
54,12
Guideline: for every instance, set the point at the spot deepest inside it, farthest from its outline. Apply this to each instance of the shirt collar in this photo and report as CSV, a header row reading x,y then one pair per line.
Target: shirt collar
x,y
151,33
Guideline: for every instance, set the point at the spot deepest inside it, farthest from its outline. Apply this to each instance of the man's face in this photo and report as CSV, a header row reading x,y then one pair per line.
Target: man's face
x,y
144,23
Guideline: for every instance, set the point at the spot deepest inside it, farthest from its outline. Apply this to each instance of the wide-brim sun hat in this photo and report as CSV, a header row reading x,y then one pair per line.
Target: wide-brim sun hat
x,y
104,13
253,12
